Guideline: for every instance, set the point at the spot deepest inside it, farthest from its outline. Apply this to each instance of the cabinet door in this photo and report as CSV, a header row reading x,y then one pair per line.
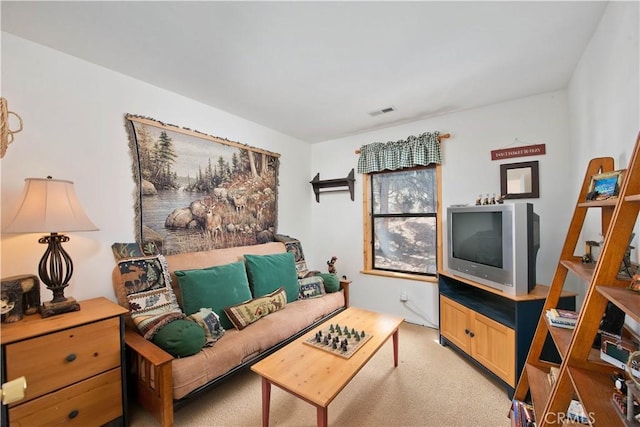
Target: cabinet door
x,y
493,345
454,323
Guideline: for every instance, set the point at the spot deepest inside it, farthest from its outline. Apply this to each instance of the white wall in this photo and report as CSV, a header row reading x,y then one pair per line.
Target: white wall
x,y
73,113
467,171
604,97
604,102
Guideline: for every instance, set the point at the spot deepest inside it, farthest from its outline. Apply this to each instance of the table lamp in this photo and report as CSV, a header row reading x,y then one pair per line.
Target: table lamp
x,y
51,206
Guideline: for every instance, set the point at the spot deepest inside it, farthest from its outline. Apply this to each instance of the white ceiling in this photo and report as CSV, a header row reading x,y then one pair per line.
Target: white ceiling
x,y
315,70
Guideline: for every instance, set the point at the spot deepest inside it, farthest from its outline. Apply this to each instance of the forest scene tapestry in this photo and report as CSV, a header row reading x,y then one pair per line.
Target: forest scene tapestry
x,y
196,192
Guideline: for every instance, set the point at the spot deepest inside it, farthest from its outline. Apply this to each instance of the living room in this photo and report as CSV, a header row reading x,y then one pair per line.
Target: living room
x,y
73,128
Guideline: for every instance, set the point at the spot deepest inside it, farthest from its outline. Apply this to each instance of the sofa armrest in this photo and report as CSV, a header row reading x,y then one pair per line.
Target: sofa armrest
x,y
150,367
344,285
151,352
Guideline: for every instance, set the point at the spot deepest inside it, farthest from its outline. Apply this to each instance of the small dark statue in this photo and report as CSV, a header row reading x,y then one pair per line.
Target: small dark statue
x,y
332,264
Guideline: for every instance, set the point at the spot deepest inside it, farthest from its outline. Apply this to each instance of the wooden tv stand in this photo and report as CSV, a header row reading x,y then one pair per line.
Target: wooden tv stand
x,y
492,329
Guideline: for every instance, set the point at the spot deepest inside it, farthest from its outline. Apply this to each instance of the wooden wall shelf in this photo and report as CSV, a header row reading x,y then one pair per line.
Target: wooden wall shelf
x,y
318,184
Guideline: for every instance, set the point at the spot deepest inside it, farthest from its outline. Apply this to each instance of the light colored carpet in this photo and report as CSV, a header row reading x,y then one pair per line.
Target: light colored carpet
x,y
432,386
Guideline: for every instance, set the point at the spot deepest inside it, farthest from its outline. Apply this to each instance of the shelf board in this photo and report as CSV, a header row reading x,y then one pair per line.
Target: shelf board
x,y
538,386
582,270
594,391
626,299
633,198
561,337
319,184
607,203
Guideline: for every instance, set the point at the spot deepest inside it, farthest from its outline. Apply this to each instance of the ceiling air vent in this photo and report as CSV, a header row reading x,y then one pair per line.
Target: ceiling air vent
x,y
382,111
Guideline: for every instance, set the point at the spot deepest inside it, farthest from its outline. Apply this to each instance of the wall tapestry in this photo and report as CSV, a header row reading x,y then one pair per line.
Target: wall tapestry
x,y
196,192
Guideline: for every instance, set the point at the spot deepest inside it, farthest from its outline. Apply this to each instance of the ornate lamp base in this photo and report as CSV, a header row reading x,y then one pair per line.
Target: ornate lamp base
x,y
50,308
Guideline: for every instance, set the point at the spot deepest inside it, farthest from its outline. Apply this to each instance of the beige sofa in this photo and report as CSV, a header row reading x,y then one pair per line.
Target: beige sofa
x,y
163,382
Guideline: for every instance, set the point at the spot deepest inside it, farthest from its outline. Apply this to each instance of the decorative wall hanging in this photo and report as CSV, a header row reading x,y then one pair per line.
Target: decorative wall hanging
x,y
196,192
523,151
6,134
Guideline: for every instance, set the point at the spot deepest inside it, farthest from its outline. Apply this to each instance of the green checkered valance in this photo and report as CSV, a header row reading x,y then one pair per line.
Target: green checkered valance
x,y
419,150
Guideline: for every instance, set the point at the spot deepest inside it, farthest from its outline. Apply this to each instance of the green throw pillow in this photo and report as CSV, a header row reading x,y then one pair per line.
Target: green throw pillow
x,y
331,282
267,273
215,288
180,338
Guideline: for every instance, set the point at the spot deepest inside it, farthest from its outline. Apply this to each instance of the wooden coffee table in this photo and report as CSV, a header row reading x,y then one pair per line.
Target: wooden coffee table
x,y
317,376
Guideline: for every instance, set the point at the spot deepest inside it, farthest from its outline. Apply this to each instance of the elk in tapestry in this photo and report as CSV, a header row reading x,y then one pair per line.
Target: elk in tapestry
x,y
196,192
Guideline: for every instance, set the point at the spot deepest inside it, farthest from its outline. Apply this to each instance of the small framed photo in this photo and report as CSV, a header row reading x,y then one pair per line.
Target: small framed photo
x,y
605,185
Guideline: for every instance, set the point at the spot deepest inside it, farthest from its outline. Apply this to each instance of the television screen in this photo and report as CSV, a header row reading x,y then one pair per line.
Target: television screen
x,y
477,237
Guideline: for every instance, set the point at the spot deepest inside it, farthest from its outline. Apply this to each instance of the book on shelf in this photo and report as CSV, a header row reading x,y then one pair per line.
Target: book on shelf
x,y
522,414
563,314
576,412
553,375
620,402
560,322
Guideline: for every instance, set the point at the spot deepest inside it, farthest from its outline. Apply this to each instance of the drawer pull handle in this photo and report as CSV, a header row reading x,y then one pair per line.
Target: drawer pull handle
x,y
71,357
73,414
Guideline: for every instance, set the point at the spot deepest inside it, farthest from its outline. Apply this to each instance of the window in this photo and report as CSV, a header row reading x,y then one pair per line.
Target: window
x,y
401,233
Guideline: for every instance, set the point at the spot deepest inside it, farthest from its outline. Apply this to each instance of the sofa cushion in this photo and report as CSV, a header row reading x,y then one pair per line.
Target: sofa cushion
x,y
237,347
180,338
242,315
209,321
267,273
331,282
214,287
311,287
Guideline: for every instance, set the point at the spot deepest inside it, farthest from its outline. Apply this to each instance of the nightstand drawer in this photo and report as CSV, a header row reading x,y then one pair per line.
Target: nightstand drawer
x,y
50,362
95,401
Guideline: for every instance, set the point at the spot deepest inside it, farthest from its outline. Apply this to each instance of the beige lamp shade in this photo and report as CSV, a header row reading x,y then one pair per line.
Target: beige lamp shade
x,y
51,206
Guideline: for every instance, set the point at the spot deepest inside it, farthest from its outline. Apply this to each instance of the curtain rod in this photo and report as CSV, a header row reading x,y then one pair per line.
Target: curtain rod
x,y
440,137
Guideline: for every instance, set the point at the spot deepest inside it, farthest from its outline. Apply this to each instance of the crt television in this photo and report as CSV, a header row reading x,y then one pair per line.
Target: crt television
x,y
495,245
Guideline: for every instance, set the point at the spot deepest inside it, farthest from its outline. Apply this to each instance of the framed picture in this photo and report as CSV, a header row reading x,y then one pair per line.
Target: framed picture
x,y
605,185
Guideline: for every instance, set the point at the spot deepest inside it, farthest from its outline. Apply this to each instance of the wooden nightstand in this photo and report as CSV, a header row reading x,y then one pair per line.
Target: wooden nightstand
x,y
73,364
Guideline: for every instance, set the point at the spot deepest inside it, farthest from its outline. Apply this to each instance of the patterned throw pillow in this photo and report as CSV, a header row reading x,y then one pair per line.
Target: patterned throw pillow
x,y
144,273
311,287
123,251
244,314
295,247
152,303
210,322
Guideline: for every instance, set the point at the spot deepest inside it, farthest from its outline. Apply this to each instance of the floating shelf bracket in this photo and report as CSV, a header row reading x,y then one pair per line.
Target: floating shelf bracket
x,y
330,183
